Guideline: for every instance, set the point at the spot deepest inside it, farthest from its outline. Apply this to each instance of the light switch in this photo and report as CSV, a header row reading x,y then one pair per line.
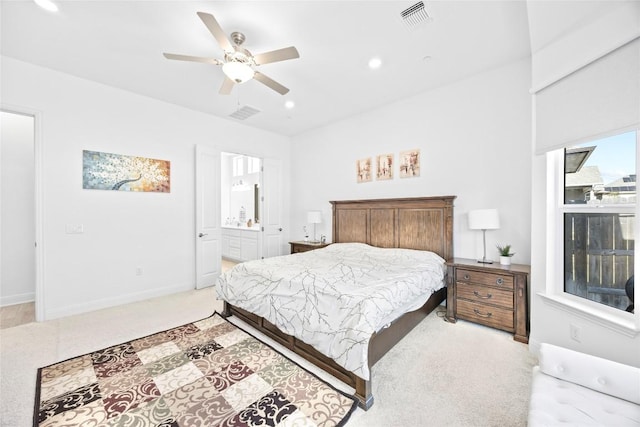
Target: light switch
x,y
74,228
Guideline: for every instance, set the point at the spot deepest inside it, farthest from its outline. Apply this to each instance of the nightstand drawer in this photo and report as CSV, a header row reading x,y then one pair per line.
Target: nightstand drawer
x,y
297,247
485,314
485,295
484,278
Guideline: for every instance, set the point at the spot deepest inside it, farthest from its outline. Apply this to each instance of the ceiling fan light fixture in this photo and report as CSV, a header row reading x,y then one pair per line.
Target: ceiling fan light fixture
x,y
239,72
238,65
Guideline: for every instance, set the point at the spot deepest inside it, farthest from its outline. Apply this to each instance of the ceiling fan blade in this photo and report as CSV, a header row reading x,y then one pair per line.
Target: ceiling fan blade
x,y
192,58
270,83
276,55
217,31
227,86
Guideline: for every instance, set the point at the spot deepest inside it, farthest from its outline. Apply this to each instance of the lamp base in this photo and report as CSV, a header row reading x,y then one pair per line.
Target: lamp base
x,y
484,259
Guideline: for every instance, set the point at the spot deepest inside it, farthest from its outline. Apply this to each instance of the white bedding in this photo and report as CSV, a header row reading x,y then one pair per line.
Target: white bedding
x,y
336,297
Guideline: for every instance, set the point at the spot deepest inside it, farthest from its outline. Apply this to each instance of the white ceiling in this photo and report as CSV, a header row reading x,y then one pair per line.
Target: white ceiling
x,y
120,43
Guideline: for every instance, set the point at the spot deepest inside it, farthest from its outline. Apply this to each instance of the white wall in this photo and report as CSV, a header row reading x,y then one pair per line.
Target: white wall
x,y
566,36
474,138
122,231
17,281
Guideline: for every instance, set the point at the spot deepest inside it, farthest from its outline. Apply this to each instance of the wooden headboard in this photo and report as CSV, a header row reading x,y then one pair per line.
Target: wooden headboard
x,y
423,223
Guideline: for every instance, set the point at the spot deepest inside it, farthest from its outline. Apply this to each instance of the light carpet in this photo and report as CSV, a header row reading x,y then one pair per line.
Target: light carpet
x,y
440,374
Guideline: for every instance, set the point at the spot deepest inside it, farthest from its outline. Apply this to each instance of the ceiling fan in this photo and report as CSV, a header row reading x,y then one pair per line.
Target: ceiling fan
x,y
239,64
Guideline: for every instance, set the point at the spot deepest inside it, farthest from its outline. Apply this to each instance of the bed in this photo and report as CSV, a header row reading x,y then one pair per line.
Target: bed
x,y
365,234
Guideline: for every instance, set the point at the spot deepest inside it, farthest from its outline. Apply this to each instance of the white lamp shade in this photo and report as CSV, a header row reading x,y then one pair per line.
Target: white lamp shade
x,y
314,217
238,71
484,219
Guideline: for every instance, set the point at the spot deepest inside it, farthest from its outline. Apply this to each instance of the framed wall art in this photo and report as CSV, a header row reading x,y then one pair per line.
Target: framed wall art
x,y
363,170
107,171
384,166
409,163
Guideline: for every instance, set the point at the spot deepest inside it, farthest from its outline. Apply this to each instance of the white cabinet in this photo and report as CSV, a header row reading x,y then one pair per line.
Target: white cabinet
x,y
249,246
239,244
225,244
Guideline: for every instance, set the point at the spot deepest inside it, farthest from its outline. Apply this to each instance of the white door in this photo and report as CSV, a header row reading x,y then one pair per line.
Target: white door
x,y
208,246
272,241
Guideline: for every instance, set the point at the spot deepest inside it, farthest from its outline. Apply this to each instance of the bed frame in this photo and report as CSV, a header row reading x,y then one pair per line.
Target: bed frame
x,y
424,223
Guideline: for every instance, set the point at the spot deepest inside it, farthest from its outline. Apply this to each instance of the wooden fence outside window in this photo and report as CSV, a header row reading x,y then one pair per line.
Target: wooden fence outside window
x,y
599,256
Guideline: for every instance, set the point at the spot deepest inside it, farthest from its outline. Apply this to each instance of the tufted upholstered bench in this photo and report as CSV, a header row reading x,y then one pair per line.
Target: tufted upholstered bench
x,y
572,388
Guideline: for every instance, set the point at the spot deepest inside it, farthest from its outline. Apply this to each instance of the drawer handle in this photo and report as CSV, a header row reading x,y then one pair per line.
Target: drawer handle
x,y
477,312
465,277
500,281
477,294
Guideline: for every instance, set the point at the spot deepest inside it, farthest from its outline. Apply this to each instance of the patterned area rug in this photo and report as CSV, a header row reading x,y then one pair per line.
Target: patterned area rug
x,y
203,374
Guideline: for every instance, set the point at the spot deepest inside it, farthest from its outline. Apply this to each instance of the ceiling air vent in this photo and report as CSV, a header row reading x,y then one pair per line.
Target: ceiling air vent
x,y
415,16
244,113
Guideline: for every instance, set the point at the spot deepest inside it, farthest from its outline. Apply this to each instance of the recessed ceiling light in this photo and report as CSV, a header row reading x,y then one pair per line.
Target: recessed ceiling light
x,y
47,5
375,63
289,105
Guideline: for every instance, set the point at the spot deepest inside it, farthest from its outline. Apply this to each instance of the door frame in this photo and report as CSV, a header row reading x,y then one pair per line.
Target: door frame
x,y
40,296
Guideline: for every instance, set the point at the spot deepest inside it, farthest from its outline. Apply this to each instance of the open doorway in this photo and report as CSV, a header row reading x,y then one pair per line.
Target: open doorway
x,y
18,269
240,207
252,213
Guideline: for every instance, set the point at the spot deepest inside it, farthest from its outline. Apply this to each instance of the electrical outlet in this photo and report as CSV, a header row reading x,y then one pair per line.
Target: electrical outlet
x,y
574,332
139,271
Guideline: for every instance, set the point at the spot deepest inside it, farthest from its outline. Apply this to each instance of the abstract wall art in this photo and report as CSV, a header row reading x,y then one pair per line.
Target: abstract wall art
x,y
363,170
384,164
106,171
409,163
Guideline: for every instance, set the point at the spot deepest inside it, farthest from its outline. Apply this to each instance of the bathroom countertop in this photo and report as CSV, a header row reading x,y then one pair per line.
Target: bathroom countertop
x,y
255,227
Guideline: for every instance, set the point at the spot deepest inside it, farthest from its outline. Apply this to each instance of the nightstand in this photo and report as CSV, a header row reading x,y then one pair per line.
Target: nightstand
x,y
306,246
489,294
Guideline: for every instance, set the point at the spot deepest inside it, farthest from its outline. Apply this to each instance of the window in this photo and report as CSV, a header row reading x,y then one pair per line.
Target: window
x,y
253,165
598,220
238,166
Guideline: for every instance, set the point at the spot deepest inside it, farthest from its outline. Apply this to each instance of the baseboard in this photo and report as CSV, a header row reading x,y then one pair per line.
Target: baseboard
x,y
115,301
534,346
17,299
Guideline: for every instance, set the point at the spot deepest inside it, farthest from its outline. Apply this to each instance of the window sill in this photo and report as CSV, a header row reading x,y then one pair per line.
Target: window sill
x,y
621,322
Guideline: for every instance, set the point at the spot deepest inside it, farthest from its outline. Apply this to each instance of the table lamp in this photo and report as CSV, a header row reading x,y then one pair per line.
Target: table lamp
x,y
484,219
314,217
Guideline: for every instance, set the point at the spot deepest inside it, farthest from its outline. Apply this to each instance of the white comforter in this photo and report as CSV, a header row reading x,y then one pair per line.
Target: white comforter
x,y
335,298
